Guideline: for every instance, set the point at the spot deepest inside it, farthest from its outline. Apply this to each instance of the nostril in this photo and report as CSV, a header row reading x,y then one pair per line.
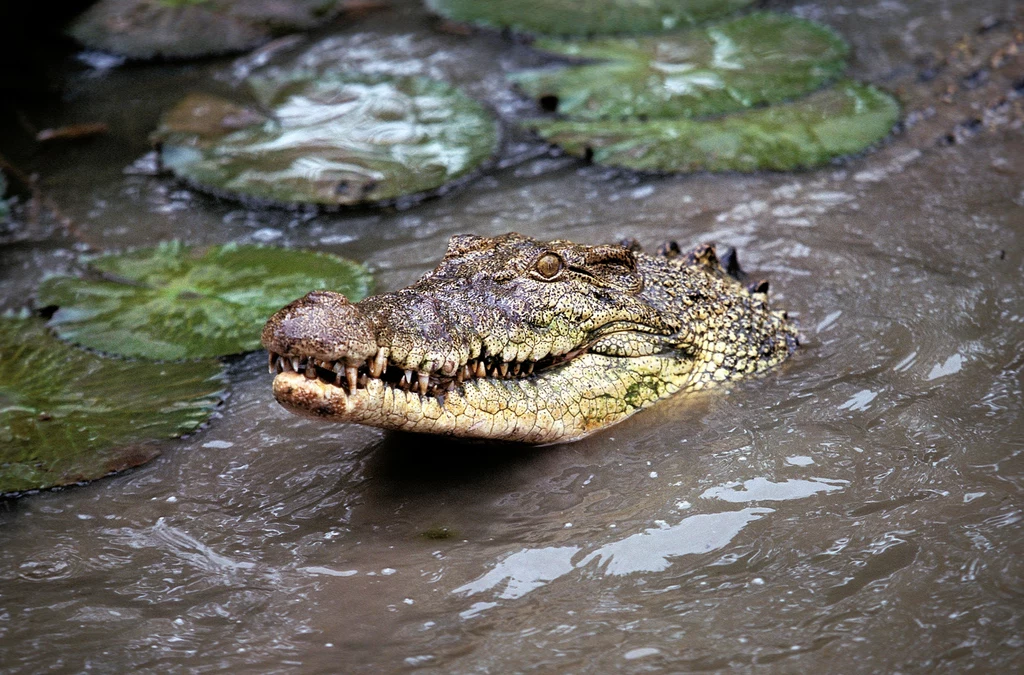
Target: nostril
x,y
323,295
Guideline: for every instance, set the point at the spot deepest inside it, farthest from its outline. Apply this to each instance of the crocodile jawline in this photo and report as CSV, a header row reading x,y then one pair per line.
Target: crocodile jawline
x,y
351,378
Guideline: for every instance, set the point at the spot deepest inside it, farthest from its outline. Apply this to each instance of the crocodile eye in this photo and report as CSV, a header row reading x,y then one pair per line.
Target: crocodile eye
x,y
549,266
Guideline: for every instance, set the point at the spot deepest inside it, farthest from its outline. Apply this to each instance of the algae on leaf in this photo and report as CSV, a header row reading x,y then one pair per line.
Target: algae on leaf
x,y
182,302
805,133
572,17
67,415
146,29
727,66
329,138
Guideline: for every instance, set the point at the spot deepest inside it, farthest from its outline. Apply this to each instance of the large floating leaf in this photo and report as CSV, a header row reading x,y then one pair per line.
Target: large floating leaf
x,y
331,138
176,301
805,133
145,29
67,415
573,17
736,64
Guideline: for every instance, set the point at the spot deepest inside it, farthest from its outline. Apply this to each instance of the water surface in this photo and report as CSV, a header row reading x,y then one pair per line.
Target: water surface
x,y
858,509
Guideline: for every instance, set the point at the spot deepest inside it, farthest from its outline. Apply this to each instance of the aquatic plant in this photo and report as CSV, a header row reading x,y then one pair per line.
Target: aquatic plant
x,y
68,415
147,29
571,17
830,123
739,95
732,65
182,302
328,138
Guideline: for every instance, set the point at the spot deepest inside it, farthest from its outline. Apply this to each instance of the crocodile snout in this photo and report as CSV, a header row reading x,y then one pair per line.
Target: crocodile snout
x,y
322,325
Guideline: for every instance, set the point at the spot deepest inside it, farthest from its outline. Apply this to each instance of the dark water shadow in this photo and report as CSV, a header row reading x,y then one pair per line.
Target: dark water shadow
x,y
431,487
414,463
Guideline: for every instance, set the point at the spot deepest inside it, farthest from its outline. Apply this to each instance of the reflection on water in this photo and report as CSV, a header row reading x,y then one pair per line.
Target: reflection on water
x,y
856,510
652,549
524,571
762,489
647,551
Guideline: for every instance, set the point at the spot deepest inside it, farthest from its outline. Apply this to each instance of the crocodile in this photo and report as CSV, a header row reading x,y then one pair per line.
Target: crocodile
x,y
515,339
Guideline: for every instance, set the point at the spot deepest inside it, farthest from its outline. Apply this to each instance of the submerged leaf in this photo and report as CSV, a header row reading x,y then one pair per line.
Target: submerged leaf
x,y
728,66
176,301
146,29
67,415
805,133
572,17
337,139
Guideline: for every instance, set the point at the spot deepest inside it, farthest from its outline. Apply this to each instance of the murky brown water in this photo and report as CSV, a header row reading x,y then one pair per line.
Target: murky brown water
x,y
858,510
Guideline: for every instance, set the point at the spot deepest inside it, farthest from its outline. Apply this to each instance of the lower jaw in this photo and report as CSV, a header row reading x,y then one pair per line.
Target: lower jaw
x,y
501,410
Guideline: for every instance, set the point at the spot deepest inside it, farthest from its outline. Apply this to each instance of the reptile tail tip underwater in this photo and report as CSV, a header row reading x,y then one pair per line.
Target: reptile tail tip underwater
x,y
515,339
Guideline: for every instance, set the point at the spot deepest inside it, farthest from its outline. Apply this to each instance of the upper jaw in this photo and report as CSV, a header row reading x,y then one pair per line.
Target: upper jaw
x,y
325,337
425,347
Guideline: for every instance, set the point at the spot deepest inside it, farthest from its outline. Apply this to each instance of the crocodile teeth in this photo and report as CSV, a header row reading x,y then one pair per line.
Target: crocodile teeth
x,y
379,363
436,384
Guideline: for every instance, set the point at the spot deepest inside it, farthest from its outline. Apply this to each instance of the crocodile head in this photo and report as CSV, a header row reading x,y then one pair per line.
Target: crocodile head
x,y
516,339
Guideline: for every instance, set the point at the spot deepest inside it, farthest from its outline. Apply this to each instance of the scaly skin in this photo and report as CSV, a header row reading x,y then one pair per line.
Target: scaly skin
x,y
515,339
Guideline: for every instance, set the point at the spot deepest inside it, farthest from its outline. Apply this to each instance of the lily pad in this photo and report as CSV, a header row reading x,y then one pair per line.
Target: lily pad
x,y
805,133
728,66
176,301
572,17
181,29
329,138
67,415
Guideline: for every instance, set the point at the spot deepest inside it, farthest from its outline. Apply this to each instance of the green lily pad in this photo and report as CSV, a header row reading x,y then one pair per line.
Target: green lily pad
x,y
176,301
572,17
67,415
181,29
732,65
809,132
334,139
